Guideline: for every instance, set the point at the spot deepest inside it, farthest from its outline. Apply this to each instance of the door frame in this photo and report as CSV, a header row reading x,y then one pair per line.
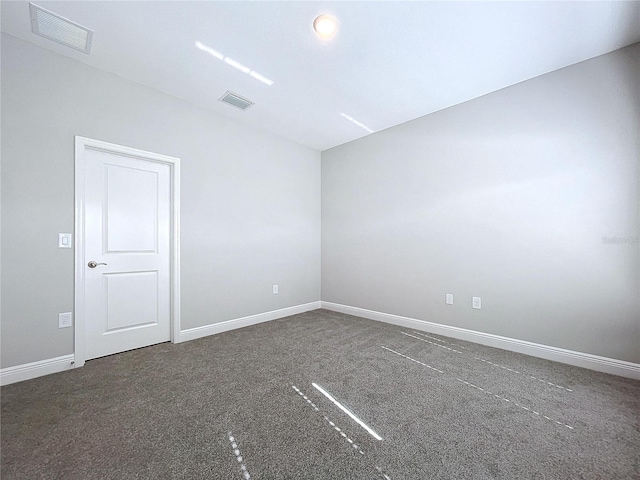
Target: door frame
x,y
81,145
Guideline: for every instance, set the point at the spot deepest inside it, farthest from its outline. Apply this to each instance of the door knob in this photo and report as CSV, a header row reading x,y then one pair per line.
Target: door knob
x,y
93,264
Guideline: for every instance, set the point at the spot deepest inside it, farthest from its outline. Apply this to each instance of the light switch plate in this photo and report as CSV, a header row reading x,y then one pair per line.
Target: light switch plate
x,y
64,240
275,289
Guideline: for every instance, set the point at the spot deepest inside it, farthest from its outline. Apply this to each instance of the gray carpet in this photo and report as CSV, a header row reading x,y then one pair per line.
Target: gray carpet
x,y
225,407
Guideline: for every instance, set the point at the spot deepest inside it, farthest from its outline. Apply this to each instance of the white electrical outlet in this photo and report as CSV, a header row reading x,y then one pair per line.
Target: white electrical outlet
x,y
65,320
476,302
275,289
448,298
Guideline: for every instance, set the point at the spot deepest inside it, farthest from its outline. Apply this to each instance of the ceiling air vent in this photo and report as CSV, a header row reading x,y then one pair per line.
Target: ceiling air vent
x,y
59,29
236,100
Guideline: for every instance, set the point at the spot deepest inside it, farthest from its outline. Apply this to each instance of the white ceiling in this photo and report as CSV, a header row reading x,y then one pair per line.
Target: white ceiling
x,y
390,62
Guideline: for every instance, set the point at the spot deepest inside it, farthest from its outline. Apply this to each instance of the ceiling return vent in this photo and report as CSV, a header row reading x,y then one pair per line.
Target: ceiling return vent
x,y
59,29
236,100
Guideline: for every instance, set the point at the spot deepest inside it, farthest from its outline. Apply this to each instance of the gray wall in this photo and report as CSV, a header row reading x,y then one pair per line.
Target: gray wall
x,y
250,201
506,197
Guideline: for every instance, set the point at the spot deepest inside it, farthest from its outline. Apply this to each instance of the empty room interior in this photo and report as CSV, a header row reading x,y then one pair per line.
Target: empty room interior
x,y
320,240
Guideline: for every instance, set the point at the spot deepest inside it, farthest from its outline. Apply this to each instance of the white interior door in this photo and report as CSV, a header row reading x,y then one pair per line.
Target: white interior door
x,y
127,252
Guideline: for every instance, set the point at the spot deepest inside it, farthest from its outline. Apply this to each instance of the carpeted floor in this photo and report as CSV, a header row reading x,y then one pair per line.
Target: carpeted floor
x,y
241,405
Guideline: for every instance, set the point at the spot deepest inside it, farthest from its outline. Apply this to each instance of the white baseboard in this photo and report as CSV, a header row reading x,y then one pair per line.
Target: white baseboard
x,y
579,359
31,370
205,331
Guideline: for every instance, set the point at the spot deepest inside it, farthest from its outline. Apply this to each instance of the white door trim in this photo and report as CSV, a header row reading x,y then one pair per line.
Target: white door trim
x,y
81,144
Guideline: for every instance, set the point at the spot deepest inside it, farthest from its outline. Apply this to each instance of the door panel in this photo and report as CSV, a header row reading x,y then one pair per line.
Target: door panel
x,y
128,233
131,221
129,298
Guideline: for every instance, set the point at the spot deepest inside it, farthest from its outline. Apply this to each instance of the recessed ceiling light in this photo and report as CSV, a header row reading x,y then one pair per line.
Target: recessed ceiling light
x,y
59,29
325,25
